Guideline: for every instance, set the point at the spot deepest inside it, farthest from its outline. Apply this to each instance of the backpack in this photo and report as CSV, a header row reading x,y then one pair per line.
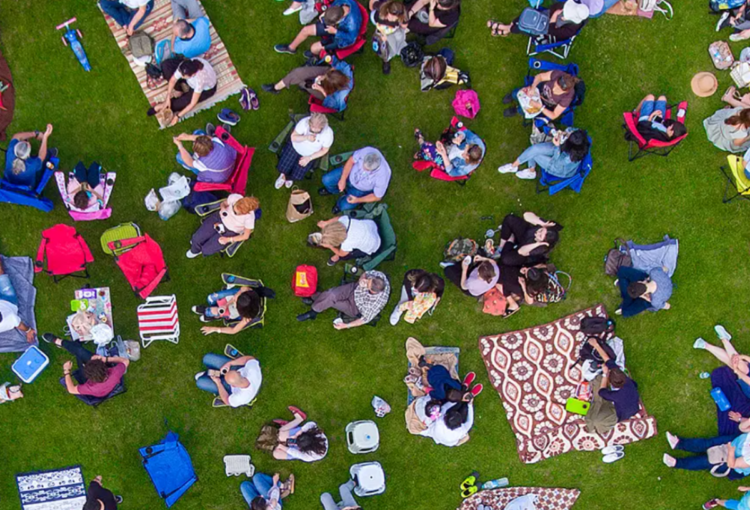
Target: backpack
x,y
596,326
141,45
555,291
534,22
305,281
588,352
616,258
724,5
456,250
412,54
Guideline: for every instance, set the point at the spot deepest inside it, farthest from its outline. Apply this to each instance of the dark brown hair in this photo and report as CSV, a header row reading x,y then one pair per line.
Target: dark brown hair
x,y
190,67
486,271
567,81
95,371
617,378
636,289
475,154
333,81
435,68
742,118
333,15
81,199
393,8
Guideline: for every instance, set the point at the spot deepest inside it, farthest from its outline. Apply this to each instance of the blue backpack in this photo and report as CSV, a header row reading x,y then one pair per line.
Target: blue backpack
x,y
534,22
723,5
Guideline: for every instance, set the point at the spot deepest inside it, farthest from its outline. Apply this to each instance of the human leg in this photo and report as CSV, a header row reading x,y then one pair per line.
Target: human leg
x,y
302,35
215,297
149,8
646,108
331,180
215,361
328,502
339,298
701,444
77,349
117,11
719,353
263,483
347,498
537,154
185,165
396,314
186,9
343,204
249,492
512,228
661,105
7,291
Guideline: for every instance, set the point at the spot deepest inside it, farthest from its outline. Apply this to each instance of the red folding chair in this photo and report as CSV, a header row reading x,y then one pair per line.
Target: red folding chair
x,y
358,44
142,262
237,182
656,147
63,252
437,171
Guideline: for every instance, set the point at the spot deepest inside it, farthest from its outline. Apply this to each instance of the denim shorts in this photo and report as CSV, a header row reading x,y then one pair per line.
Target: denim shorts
x,y
7,292
649,107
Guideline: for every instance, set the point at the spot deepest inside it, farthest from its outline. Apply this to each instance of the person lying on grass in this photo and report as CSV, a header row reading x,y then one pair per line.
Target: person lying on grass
x,y
348,238
293,440
526,241
240,305
737,462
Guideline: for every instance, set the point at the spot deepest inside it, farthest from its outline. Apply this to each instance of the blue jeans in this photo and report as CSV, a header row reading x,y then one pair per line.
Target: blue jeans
x,y
331,184
732,504
204,382
539,154
700,445
345,493
261,485
7,292
649,107
121,14
216,296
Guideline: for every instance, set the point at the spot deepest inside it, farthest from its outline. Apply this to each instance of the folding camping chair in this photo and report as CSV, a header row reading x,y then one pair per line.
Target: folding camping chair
x,y
656,147
436,172
546,43
203,210
231,281
359,42
283,137
97,401
139,258
29,195
377,212
63,252
158,319
352,273
448,32
232,353
549,182
735,178
94,212
237,182
567,116
169,466
336,103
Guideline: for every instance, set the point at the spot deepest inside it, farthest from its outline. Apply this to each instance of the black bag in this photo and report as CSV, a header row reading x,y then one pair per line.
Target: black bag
x,y
589,353
196,198
597,326
616,258
412,54
153,71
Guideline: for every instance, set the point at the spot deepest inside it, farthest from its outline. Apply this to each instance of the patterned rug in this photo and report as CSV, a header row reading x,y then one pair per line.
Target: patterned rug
x,y
158,24
62,489
497,499
534,372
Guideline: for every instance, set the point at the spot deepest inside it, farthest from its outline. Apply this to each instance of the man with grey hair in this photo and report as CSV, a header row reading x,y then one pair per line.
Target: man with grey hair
x,y
20,167
362,300
191,37
363,178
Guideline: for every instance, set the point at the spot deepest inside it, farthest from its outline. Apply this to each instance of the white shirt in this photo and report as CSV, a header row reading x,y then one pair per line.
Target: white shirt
x,y
361,235
134,4
237,222
205,79
441,434
296,453
243,396
10,319
323,140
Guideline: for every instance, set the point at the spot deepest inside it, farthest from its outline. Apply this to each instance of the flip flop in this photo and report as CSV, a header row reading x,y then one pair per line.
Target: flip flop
x,y
298,411
493,25
469,481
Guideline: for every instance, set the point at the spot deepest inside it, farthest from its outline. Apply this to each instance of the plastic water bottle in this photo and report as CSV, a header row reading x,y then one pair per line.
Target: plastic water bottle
x,y
496,484
704,375
231,278
720,399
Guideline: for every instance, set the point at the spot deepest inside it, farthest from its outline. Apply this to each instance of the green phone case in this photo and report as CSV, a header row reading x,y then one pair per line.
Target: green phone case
x,y
573,405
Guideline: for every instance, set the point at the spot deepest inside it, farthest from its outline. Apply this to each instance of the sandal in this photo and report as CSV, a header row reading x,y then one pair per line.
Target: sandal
x,y
508,313
298,412
287,488
493,26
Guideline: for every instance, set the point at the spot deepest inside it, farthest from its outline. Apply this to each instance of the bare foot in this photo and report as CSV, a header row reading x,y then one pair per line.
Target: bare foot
x,y
729,94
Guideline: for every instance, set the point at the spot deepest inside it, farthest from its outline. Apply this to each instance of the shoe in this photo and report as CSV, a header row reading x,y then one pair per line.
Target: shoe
x,y
470,377
446,264
270,88
279,181
510,112
609,450
469,481
738,37
324,192
218,402
395,316
476,390
307,316
288,184
468,492
227,128
227,116
199,375
280,422
50,339
199,309
386,68
210,129
672,440
722,20
526,174
308,54
669,461
284,48
204,319
331,262
617,282
613,457
722,333
291,10
699,343
308,301
708,505
191,255
335,210
509,98
249,99
508,169
297,412
118,500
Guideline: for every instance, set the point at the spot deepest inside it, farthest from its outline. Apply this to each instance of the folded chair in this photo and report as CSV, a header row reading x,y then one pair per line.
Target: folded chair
x,y
736,178
646,147
283,137
335,104
549,182
237,182
549,44
204,210
159,319
140,259
377,212
567,118
437,172
359,42
169,466
63,252
94,212
29,195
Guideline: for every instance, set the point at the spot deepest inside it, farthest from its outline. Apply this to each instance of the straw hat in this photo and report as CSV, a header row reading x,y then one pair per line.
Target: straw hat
x,y
704,84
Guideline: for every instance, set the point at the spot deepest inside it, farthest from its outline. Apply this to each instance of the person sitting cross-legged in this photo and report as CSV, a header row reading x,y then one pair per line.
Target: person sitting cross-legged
x,y
191,37
186,9
212,159
561,157
240,304
9,318
642,291
85,186
338,27
293,440
96,376
265,492
190,82
21,168
235,381
129,14
363,299
311,139
364,178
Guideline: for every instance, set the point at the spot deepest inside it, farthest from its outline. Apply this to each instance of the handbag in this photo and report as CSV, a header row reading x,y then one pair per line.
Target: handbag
x,y
494,303
721,55
299,206
717,457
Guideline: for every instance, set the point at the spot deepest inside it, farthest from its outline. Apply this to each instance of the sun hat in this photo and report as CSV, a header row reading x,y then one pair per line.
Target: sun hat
x,y
575,12
704,84
595,6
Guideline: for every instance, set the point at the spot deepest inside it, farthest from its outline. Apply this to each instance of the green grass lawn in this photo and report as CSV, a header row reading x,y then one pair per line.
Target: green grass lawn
x,y
333,375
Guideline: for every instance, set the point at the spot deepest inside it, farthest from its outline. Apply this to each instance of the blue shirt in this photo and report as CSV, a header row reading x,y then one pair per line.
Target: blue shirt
x,y
459,165
739,445
26,178
348,29
198,44
663,288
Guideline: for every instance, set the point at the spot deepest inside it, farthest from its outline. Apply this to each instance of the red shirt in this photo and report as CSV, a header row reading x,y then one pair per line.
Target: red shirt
x,y
102,389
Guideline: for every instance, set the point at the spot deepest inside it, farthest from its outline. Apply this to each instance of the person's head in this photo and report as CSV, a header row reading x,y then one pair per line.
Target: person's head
x,y
432,406
318,122
18,166
536,280
447,5
203,145
248,304
372,162
577,145
674,129
92,504
637,289
246,205
184,29
333,234
617,378
81,199
424,283
259,503
457,415
564,83
333,15
393,11
546,235
435,68
234,379
312,441
486,271
333,81
95,371
190,67
473,154
375,285
741,119
22,150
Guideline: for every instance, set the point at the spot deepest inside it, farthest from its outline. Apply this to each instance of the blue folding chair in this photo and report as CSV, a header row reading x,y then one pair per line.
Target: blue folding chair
x,y
549,44
567,118
170,468
554,184
27,195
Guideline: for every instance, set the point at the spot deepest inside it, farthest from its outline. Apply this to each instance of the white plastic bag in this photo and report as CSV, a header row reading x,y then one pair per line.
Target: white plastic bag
x,y
169,209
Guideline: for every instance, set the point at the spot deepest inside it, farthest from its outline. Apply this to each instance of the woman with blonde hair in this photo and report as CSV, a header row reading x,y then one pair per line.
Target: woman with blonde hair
x,y
310,140
347,238
233,222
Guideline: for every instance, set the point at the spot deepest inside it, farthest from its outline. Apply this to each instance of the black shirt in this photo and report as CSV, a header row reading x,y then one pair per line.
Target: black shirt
x,y
625,399
96,491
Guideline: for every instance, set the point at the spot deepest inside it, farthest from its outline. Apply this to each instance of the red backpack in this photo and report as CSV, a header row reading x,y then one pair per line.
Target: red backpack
x,y
305,281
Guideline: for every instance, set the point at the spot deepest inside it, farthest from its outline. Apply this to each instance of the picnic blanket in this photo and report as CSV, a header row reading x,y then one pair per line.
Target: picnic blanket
x,y
60,489
662,254
535,372
158,24
9,97
498,499
446,356
21,273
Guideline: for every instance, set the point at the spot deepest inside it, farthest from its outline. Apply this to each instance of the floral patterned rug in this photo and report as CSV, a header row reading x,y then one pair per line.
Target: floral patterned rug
x,y
497,499
534,371
61,489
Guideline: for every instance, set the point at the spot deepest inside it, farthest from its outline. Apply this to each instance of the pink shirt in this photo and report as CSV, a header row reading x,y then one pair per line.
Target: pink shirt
x,y
237,222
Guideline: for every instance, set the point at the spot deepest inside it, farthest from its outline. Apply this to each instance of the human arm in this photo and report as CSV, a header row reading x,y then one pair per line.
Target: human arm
x,y
345,173
440,148
553,114
27,135
354,324
528,299
372,197
139,14
233,330
28,331
464,271
45,141
175,33
738,142
193,101
527,249
244,236
70,385
433,21
418,6
113,359
187,158
304,161
223,394
593,342
534,219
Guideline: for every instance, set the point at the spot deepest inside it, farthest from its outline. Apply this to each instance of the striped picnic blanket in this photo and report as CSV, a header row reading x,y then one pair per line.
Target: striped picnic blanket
x,y
158,25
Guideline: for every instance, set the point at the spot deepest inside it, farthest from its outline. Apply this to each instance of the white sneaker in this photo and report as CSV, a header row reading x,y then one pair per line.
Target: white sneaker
x,y
288,184
396,315
613,457
738,37
291,10
609,450
199,375
191,255
526,174
722,19
508,169
279,182
669,461
672,440
722,333
446,264
699,344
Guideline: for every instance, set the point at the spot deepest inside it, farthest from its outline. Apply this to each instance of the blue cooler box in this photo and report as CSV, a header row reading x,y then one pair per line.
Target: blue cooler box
x,y
30,364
